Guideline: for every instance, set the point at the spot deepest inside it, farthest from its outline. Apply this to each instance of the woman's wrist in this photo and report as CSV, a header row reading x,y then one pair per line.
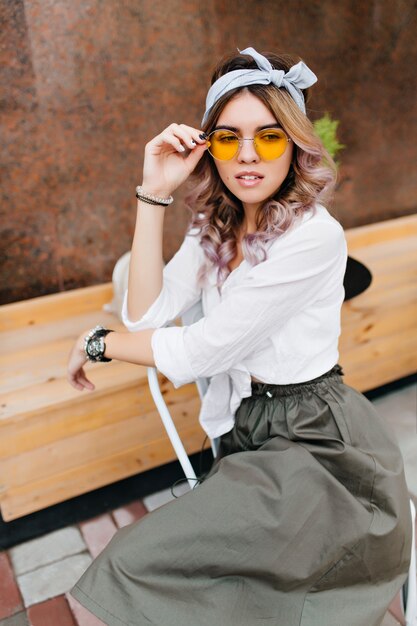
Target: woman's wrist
x,y
155,190
80,343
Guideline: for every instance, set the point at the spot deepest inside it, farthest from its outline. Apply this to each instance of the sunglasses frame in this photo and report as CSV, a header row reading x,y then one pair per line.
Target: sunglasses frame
x,y
242,139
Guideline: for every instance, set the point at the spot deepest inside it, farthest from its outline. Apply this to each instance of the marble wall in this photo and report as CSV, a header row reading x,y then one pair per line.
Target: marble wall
x,y
84,84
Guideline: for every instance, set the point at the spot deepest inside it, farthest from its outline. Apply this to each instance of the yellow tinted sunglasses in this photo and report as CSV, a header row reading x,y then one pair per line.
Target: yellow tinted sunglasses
x,y
269,143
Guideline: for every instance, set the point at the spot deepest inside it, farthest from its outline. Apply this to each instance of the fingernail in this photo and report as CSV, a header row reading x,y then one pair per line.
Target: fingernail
x,y
193,143
181,148
203,136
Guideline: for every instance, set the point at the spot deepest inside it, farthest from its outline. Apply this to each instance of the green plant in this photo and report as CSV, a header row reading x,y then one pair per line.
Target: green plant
x,y
326,129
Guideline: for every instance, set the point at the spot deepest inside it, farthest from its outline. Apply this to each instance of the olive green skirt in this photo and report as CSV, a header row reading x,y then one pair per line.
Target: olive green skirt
x,y
303,520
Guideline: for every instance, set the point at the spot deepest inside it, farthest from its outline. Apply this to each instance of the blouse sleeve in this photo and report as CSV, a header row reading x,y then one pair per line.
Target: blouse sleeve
x,y
179,289
301,271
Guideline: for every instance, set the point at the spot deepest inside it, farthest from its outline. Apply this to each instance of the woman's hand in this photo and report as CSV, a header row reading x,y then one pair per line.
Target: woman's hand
x,y
77,359
171,157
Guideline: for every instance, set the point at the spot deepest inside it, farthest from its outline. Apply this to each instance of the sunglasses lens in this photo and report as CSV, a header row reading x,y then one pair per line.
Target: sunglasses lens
x,y
271,143
223,144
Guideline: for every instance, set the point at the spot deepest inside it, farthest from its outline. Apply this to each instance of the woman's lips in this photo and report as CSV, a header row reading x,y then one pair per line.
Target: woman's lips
x,y
249,179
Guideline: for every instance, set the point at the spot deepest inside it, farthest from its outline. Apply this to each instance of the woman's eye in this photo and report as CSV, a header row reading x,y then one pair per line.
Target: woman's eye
x,y
271,137
227,138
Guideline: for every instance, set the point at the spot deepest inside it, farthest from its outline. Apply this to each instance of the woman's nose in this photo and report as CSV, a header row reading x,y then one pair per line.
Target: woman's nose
x,y
247,152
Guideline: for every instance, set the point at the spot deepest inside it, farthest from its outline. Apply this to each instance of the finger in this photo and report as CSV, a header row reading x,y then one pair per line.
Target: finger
x,y
79,380
180,137
194,156
165,139
82,378
195,136
182,132
74,383
195,133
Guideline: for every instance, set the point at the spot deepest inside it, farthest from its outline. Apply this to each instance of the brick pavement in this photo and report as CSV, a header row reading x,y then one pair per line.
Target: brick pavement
x,y
36,576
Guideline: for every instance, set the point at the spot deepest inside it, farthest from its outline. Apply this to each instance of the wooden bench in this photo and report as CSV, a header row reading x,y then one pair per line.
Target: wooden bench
x,y
57,443
378,343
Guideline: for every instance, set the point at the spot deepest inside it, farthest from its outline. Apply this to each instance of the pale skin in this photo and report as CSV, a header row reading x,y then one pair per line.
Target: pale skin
x,y
165,168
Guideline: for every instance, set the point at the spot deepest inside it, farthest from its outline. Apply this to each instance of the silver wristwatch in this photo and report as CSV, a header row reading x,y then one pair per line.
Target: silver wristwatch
x,y
94,346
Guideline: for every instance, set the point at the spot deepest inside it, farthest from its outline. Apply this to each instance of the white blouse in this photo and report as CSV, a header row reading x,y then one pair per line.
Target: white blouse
x,y
278,321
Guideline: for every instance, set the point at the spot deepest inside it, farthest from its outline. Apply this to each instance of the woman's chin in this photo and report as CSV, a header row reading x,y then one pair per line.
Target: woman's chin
x,y
250,198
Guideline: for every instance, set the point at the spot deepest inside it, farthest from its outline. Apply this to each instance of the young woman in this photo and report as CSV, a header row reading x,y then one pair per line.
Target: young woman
x,y
303,519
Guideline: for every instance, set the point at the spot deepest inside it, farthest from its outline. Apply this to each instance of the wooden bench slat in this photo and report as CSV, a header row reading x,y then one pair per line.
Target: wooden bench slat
x,y
33,497
360,325
42,365
374,299
367,352
45,428
82,448
57,392
378,370
380,232
70,328
57,306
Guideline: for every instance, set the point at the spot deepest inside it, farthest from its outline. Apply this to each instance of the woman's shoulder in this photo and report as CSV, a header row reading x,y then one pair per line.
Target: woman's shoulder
x,y
316,228
317,222
319,214
323,226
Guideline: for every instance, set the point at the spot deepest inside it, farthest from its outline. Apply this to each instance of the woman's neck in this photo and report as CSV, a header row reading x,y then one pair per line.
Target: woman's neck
x,y
249,223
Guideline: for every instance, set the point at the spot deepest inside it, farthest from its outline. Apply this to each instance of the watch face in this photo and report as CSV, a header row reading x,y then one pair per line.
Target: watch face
x,y
95,348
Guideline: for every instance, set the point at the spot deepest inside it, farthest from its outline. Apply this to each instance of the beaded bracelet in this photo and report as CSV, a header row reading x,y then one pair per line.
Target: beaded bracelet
x,y
143,195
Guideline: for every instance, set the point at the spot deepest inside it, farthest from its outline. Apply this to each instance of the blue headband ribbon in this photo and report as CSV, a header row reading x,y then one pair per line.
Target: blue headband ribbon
x,y
298,77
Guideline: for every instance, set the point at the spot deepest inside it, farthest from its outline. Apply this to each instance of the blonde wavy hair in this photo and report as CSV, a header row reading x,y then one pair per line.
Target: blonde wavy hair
x,y
217,215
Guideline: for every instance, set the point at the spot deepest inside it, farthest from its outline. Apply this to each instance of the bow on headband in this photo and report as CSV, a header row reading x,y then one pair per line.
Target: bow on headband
x,y
298,77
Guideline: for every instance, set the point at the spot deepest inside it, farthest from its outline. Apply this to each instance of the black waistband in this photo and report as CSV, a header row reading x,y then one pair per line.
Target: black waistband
x,y
259,389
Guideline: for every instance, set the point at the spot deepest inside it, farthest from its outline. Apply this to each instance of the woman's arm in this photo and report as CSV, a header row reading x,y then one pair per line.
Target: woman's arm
x,y
132,348
146,262
169,160
180,288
